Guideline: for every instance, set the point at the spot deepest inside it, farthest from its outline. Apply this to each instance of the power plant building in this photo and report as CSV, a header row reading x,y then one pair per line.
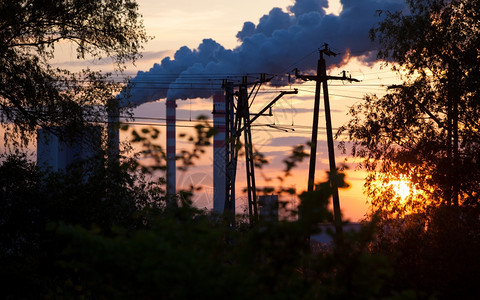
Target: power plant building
x,y
55,154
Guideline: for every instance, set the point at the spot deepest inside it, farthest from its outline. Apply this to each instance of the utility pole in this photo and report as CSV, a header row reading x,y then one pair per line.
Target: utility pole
x,y
316,112
243,114
322,78
238,121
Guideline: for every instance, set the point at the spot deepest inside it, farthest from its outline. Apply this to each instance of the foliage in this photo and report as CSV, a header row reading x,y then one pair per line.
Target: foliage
x,y
204,131
152,157
149,156
32,92
67,236
296,156
190,254
426,133
90,194
33,203
427,129
314,205
437,258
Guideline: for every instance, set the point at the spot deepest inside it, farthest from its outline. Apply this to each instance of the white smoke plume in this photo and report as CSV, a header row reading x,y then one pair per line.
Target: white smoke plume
x,y
280,39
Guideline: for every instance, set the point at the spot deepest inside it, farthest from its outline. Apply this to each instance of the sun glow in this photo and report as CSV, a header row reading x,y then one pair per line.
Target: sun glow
x,y
401,188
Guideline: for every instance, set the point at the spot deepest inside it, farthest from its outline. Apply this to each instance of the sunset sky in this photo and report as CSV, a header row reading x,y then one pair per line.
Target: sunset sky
x,y
275,41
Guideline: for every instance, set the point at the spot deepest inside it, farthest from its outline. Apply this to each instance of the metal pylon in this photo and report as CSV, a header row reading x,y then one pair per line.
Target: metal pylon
x,y
238,121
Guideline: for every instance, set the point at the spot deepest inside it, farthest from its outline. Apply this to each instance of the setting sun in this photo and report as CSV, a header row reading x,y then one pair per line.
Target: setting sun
x,y
401,188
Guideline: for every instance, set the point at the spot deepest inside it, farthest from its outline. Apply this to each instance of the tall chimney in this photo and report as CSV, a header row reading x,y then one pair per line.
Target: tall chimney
x,y
171,164
219,153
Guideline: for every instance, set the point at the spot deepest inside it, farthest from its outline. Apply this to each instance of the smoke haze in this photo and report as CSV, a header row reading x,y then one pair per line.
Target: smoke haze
x,y
275,45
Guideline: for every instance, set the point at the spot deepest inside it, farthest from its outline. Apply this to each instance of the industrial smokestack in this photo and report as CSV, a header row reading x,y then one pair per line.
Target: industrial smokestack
x,y
219,153
171,149
55,153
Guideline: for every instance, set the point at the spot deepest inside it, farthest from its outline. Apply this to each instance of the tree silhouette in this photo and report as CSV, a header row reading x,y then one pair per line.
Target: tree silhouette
x,y
32,92
425,130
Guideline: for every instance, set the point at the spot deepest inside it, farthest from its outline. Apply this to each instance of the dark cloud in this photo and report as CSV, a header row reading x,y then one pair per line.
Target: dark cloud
x,y
279,40
302,7
277,19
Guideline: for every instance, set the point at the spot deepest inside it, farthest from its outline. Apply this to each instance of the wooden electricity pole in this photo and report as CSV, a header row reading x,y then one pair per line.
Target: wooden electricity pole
x,y
322,78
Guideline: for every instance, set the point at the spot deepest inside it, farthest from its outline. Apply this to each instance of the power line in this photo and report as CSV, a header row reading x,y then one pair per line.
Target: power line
x,y
211,121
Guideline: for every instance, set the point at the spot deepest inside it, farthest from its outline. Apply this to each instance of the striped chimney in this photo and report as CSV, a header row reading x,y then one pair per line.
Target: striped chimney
x,y
219,153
